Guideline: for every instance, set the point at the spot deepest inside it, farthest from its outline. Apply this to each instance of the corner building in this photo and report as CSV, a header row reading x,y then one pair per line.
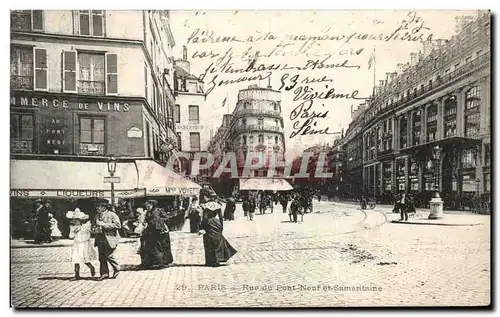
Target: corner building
x,y
441,98
85,85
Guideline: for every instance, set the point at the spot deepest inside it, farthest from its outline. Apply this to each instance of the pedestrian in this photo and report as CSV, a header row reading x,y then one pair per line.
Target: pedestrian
x,y
55,233
294,209
252,205
155,247
82,250
245,206
42,223
403,207
194,216
106,226
229,209
397,199
284,202
217,248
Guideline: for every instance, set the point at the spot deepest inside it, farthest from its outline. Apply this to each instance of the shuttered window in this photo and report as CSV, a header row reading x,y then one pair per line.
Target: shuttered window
x,y
41,73
90,73
26,20
28,68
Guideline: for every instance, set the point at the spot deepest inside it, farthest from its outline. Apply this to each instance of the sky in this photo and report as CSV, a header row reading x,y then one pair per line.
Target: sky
x,y
282,24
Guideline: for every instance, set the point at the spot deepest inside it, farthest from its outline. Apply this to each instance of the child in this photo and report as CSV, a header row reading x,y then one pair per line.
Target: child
x,y
83,250
54,230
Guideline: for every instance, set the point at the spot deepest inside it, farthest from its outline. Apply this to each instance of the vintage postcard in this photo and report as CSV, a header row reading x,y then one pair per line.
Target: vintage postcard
x,y
169,158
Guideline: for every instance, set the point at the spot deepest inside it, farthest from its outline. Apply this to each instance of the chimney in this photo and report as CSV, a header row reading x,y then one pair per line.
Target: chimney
x,y
413,59
394,75
402,68
387,77
428,47
184,53
381,83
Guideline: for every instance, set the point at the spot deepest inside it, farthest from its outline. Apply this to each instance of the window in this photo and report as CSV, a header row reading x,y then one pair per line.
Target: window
x,y
276,140
91,70
97,73
468,159
260,122
146,84
473,98
244,122
261,139
244,140
179,141
472,124
479,52
194,114
148,139
91,136
450,106
487,154
21,133
91,22
194,140
26,20
276,123
450,128
468,59
177,113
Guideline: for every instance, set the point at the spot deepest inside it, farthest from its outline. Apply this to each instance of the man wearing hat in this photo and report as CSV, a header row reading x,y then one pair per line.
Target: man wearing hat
x,y
107,237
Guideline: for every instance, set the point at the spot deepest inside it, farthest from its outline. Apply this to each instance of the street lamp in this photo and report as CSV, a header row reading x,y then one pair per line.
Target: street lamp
x,y
436,153
112,170
436,204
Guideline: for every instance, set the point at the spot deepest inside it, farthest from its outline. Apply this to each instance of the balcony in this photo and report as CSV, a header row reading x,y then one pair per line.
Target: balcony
x,y
254,127
21,82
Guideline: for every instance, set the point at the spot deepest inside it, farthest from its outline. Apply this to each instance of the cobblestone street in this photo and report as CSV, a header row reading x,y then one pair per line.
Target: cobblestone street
x,y
323,261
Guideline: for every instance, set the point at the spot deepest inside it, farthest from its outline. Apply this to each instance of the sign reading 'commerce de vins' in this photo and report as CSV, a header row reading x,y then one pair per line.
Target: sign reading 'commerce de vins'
x,y
57,103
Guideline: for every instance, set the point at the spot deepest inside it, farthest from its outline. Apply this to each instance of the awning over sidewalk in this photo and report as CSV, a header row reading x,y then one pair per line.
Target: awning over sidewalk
x,y
63,179
264,183
163,181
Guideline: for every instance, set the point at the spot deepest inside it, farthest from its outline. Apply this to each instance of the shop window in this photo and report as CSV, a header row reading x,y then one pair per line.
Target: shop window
x,y
194,114
91,22
26,20
194,140
21,133
91,136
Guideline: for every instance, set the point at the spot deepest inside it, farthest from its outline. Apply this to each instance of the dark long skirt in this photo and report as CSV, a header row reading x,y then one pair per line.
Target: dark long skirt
x,y
156,251
217,250
194,223
42,231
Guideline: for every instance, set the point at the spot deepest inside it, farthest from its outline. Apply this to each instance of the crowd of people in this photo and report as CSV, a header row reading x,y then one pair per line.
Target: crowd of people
x,y
96,238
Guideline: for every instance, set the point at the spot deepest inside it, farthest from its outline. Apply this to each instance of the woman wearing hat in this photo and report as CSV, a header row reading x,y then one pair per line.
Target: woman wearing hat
x,y
217,249
82,251
155,241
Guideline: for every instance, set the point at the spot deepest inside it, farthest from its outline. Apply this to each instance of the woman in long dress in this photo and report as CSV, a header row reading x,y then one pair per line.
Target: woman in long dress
x,y
217,249
155,241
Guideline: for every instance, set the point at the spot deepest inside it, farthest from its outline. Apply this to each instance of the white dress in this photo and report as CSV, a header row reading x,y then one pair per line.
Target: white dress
x,y
83,250
55,232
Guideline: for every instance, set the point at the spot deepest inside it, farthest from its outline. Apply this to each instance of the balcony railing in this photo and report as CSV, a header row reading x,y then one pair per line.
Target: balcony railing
x,y
270,112
91,87
254,127
21,146
21,82
447,79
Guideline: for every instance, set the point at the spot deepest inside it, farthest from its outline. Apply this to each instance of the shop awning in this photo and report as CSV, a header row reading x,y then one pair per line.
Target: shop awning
x,y
271,184
63,179
163,181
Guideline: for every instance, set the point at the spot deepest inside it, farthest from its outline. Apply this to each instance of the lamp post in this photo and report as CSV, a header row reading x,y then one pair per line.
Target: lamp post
x,y
436,204
112,170
478,199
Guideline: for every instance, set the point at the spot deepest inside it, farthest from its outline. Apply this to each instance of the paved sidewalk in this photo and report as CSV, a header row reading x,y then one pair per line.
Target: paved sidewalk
x,y
420,217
